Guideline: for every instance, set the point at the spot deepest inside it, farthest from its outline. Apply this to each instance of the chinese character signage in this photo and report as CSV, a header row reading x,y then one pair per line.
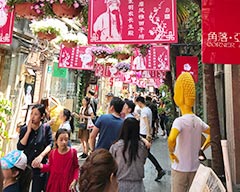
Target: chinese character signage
x,y
59,72
187,64
76,58
156,59
220,32
153,74
132,21
6,23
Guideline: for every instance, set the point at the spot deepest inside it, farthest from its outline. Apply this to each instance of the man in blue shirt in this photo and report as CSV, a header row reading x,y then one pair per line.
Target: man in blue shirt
x,y
107,126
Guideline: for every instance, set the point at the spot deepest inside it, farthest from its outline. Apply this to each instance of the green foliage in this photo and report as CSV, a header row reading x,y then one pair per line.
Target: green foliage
x,y
169,106
5,112
191,36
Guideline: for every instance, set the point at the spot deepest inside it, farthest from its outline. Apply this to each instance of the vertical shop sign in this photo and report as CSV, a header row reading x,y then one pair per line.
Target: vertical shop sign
x,y
132,21
76,58
6,23
157,58
220,31
187,64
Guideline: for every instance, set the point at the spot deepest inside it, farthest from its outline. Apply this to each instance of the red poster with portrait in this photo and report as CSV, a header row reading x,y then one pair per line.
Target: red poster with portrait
x,y
187,64
157,58
132,21
76,58
220,32
6,23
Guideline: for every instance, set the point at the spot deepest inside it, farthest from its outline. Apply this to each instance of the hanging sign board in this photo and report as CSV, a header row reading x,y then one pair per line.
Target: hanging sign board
x,y
187,64
6,23
132,21
220,32
76,58
157,58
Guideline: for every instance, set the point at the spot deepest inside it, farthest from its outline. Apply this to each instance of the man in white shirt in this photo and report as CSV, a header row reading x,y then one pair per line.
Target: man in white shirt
x,y
145,132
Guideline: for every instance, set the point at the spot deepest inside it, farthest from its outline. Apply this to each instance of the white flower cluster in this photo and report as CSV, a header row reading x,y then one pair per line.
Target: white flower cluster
x,y
79,38
49,26
108,60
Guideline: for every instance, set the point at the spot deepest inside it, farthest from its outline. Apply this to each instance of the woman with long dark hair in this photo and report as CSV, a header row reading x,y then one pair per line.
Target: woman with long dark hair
x,y
85,113
35,140
130,153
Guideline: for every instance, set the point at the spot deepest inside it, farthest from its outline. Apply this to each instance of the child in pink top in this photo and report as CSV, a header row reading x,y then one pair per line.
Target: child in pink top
x,y
63,165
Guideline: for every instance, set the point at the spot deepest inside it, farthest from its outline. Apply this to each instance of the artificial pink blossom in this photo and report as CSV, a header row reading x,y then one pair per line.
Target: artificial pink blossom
x,y
38,11
42,4
76,5
51,1
61,1
36,6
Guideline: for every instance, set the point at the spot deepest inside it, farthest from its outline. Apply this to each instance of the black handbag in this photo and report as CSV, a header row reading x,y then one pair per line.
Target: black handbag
x,y
82,125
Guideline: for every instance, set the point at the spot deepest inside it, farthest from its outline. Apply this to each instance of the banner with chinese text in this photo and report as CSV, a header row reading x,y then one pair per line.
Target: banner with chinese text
x,y
6,23
156,59
76,58
220,32
187,64
132,21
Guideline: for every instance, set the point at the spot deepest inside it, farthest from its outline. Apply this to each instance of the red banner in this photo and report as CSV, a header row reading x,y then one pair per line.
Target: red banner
x,y
156,59
132,21
6,23
220,32
76,58
187,64
106,71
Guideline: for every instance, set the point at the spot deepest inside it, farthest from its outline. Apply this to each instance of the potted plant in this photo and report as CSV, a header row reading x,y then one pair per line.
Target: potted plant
x,y
123,66
143,48
122,52
48,29
72,40
102,51
108,61
67,8
31,9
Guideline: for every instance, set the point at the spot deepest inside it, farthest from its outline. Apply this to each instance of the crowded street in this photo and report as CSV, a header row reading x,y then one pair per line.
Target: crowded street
x,y
119,96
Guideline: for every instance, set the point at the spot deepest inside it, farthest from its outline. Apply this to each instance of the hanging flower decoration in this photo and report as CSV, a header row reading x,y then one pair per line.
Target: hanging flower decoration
x,y
123,66
101,51
32,9
107,61
122,52
67,8
48,26
71,40
143,48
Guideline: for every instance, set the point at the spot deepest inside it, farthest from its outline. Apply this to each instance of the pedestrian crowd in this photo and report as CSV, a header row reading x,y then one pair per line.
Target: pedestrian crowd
x,y
115,146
